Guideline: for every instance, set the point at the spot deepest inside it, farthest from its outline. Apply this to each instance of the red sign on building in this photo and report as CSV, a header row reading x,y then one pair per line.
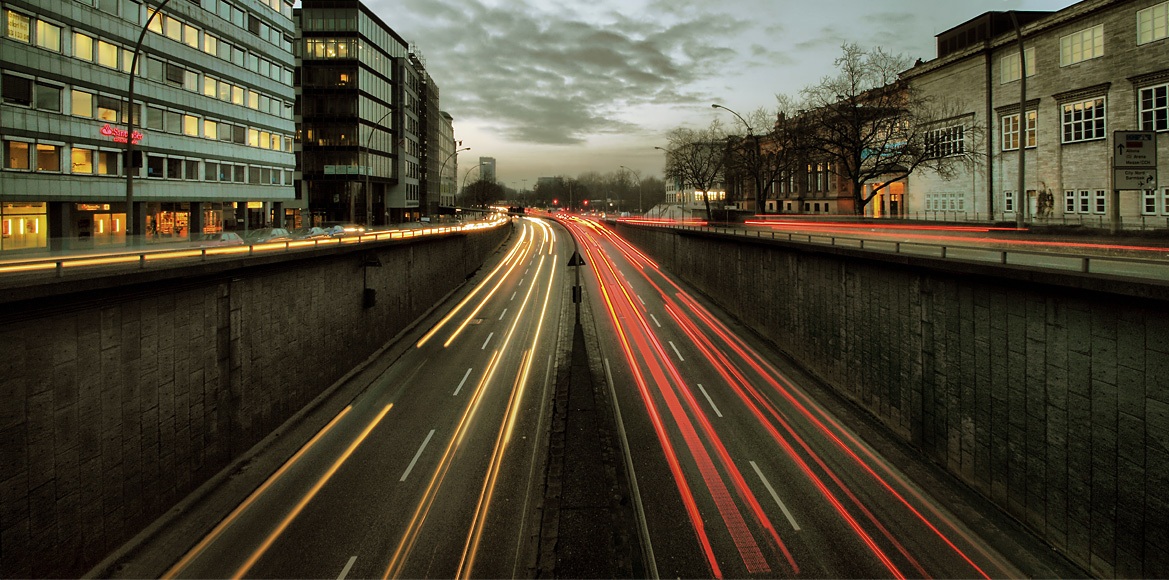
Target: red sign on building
x,y
119,135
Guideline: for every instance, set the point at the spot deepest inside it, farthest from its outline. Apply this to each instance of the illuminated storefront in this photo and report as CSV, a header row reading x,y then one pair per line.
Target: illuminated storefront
x,y
23,226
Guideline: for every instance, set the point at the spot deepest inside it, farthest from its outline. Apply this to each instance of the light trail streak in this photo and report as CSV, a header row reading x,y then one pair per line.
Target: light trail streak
x,y
247,565
215,532
483,302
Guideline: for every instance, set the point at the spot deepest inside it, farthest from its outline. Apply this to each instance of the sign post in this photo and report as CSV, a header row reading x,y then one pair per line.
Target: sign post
x,y
1134,167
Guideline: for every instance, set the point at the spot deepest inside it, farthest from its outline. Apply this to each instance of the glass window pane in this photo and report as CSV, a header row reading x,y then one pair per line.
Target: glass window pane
x,y
107,54
174,29
82,104
48,157
82,160
82,46
48,36
209,129
191,125
191,36
48,98
16,155
174,122
210,87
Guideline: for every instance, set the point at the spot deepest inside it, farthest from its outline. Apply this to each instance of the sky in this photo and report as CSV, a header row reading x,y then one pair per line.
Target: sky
x,y
561,87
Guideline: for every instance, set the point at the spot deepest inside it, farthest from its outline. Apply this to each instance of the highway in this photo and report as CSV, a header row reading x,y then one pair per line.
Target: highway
x,y
740,472
433,470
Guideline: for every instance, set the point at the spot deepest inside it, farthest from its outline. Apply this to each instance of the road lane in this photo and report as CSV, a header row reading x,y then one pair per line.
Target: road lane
x,y
430,471
845,512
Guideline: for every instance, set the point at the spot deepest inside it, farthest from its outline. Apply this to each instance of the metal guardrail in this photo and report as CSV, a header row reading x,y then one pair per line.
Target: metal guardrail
x,y
145,257
1147,269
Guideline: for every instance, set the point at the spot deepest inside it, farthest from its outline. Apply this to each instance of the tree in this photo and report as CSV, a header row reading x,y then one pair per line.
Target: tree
x,y
697,158
873,128
482,193
775,145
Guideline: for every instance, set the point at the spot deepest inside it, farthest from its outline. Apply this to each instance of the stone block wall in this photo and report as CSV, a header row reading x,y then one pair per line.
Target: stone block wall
x,y
118,398
1047,393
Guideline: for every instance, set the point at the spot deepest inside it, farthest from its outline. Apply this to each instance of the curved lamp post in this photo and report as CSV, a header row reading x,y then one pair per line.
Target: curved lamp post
x,y
468,174
754,145
369,170
638,178
129,163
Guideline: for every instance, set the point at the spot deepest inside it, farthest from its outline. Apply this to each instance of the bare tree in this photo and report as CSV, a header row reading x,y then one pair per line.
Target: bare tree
x,y
775,145
875,128
697,158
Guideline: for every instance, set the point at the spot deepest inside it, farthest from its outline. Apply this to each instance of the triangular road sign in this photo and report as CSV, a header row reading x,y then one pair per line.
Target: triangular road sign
x,y
576,260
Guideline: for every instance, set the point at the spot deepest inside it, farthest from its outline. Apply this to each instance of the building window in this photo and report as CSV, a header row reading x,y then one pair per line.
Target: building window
x,y
210,44
154,165
1153,23
107,163
174,29
1009,65
191,167
174,74
155,70
48,157
224,172
1155,108
48,98
1083,45
191,36
947,141
82,104
1101,201
107,54
82,160
1085,202
191,81
174,168
191,125
17,90
48,36
210,87
107,108
174,121
1069,201
1008,202
224,91
223,131
209,128
1011,130
238,177
1149,205
82,46
253,138
253,100
16,155
19,26
1083,121
210,171
154,118
237,95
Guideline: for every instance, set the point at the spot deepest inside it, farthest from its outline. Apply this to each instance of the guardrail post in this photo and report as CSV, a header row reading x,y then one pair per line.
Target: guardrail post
x,y
1003,256
862,243
142,261
897,247
60,268
203,254
943,251
1084,264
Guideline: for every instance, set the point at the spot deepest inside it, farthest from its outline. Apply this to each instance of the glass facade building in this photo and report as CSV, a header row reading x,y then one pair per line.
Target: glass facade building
x,y
213,115
358,135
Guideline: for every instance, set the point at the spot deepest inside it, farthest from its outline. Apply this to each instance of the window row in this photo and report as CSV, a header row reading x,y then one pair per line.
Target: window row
x,y
47,97
1080,121
175,29
1154,203
1085,201
946,141
48,157
945,201
238,95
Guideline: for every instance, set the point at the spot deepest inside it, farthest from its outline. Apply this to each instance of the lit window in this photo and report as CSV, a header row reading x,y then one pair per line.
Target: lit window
x,y
155,21
1083,121
16,155
48,36
947,141
82,104
254,137
1009,64
1011,130
48,157
82,160
191,36
1154,103
82,46
265,140
107,108
210,87
191,125
237,95
174,29
18,26
224,91
1153,23
1083,45
107,162
253,100
107,54
210,44
209,128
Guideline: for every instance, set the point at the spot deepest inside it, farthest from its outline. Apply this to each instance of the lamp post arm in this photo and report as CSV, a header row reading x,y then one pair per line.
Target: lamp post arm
x,y
369,169
129,162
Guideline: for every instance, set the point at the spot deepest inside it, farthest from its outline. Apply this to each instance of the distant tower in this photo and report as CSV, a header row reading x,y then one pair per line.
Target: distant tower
x,y
487,171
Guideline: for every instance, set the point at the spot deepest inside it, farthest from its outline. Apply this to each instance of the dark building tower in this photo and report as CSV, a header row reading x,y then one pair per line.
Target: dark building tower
x,y
431,131
357,103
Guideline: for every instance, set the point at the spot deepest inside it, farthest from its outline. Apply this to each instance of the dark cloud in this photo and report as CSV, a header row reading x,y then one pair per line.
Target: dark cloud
x,y
552,78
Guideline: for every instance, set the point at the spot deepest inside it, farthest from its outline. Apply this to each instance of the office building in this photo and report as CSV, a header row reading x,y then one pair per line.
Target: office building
x,y
487,169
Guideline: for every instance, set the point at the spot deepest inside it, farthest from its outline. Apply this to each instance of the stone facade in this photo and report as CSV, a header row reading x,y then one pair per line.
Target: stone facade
x,y
1047,393
976,82
118,402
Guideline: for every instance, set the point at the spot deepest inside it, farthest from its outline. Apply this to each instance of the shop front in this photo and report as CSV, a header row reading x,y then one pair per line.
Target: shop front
x,y
23,226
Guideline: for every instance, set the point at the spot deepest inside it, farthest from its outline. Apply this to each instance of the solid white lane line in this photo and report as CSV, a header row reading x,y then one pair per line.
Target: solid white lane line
x,y
646,544
655,318
775,497
345,570
676,351
513,295
417,455
484,347
465,375
709,400
502,314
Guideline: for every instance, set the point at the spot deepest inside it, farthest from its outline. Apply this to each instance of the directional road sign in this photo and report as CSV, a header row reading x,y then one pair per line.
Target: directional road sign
x,y
1134,149
1124,178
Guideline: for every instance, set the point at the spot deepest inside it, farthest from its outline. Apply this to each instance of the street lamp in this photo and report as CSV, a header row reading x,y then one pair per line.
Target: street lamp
x,y
129,164
443,166
638,178
369,170
755,147
463,189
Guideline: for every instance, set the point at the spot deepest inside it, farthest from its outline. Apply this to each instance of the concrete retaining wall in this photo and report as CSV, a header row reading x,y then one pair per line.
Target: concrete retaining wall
x,y
1047,393
119,396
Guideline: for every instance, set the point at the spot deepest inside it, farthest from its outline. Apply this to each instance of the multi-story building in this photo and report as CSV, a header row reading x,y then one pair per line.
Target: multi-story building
x,y
212,108
358,112
1093,68
430,134
487,169
449,168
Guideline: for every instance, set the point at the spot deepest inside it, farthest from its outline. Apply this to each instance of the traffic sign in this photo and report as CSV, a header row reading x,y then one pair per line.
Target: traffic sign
x,y
1134,149
1124,178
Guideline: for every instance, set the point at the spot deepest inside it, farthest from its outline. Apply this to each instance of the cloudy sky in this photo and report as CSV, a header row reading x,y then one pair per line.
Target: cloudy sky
x,y
553,87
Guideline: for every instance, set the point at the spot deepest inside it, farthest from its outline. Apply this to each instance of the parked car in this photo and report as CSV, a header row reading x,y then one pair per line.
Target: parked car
x,y
309,233
265,235
220,239
339,230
